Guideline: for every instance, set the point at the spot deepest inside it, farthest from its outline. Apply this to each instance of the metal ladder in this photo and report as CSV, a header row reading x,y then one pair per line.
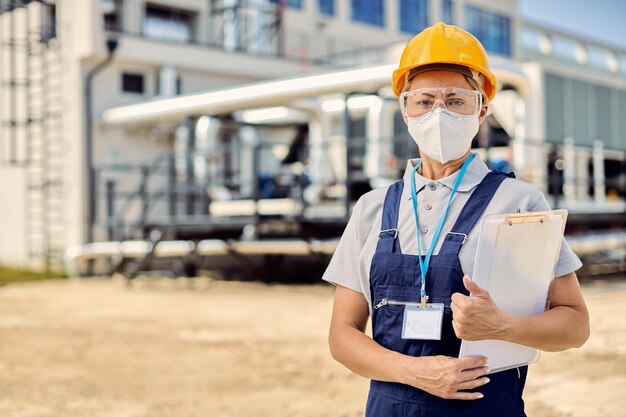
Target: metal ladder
x,y
44,174
32,137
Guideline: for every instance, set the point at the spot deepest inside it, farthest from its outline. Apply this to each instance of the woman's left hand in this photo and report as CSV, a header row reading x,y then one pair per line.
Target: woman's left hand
x,y
476,317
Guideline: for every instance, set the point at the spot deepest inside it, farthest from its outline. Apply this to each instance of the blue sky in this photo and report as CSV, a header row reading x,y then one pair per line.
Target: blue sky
x,y
602,20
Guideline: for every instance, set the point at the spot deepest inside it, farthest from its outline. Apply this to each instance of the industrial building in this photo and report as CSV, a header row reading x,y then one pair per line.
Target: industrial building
x,y
245,127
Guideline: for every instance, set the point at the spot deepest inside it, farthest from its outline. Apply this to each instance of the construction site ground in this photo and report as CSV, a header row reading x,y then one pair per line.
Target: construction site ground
x,y
211,348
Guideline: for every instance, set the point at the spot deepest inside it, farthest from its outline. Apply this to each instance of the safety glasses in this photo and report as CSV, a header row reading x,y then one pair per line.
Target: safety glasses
x,y
416,103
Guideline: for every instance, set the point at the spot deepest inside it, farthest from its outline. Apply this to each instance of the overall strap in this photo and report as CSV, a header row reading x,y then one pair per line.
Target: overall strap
x,y
471,212
388,236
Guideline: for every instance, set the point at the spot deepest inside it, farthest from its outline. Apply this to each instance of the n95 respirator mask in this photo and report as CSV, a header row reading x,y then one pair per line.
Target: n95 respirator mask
x,y
442,135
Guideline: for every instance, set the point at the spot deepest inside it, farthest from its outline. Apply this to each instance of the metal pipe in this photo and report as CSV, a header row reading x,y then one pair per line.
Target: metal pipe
x,y
347,133
13,86
599,188
110,202
91,185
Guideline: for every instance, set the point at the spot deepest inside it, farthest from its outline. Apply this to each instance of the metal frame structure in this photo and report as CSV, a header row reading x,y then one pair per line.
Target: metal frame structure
x,y
32,123
247,26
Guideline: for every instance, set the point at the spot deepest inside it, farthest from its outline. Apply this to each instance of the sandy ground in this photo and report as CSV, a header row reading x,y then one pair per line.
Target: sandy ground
x,y
202,347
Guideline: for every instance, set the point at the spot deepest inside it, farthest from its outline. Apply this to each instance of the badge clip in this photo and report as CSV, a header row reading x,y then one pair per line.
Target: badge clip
x,y
424,301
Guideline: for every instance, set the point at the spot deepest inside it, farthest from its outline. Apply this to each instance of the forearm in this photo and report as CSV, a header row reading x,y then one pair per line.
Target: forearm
x,y
557,329
364,356
442,376
564,326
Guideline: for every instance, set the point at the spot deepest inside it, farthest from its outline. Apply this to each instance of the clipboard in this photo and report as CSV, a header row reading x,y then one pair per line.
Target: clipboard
x,y
515,262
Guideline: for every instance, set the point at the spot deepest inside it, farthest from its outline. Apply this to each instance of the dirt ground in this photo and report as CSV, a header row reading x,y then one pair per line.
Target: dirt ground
x,y
211,348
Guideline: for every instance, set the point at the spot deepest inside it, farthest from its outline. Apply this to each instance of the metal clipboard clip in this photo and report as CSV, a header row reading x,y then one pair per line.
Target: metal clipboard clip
x,y
525,218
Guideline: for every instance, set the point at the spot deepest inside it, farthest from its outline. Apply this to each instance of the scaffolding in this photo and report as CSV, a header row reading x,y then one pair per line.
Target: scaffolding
x,y
31,121
252,26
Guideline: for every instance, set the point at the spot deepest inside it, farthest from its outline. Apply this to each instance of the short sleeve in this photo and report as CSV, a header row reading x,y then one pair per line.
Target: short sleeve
x,y
343,268
568,261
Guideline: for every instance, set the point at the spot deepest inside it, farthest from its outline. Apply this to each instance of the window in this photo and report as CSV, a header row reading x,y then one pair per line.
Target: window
x,y
296,4
447,11
112,11
492,30
168,24
413,15
369,11
132,83
48,22
326,7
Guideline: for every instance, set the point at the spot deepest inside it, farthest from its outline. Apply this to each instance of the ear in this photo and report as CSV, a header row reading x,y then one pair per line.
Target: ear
x,y
483,113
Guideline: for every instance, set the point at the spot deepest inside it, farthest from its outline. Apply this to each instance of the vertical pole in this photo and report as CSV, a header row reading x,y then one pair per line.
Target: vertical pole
x,y
520,159
144,196
348,141
569,170
189,171
13,85
110,203
599,188
171,186
89,165
256,183
583,182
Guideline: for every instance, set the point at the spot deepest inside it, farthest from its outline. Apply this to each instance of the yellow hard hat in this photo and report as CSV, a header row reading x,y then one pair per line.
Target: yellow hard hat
x,y
444,44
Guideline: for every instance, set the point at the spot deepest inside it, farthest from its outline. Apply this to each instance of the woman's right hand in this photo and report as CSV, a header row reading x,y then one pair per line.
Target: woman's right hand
x,y
447,377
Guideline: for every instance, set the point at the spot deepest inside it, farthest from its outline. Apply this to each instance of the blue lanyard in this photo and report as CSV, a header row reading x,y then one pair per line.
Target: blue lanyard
x,y
425,262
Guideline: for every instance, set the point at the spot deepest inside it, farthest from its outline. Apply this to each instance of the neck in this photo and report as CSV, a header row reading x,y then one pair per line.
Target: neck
x,y
435,170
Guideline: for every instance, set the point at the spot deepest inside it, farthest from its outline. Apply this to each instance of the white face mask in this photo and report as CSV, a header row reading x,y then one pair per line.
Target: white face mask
x,y
443,136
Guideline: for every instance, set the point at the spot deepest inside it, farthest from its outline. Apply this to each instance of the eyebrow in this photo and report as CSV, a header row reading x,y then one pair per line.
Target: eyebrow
x,y
433,96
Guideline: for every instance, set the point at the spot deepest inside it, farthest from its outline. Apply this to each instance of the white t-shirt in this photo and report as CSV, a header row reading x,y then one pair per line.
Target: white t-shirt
x,y
351,262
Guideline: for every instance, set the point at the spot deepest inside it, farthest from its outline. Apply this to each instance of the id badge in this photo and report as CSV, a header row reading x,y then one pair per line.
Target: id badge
x,y
422,323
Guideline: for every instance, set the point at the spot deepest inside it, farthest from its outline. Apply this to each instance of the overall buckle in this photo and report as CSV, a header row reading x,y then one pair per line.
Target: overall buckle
x,y
459,234
395,234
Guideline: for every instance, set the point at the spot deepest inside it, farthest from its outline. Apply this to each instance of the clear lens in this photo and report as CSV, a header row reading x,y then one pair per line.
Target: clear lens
x,y
416,103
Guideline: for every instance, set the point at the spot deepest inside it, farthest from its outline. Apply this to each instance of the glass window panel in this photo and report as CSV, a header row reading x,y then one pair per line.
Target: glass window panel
x,y
492,29
622,64
598,57
327,7
413,15
566,49
368,11
132,83
447,11
168,24
296,4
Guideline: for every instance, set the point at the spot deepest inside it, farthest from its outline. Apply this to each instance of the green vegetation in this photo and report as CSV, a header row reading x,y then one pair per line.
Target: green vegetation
x,y
8,274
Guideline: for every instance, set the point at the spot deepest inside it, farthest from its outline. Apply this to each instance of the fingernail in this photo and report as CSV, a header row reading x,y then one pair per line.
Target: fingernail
x,y
480,396
488,380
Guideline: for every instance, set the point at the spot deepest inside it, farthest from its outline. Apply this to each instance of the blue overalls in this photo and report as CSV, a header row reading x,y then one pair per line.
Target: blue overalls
x,y
397,277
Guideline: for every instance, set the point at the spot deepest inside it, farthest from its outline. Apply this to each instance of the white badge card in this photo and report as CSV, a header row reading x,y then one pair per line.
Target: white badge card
x,y
422,323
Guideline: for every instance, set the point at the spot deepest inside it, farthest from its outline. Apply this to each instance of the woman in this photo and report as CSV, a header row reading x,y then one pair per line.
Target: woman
x,y
444,85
